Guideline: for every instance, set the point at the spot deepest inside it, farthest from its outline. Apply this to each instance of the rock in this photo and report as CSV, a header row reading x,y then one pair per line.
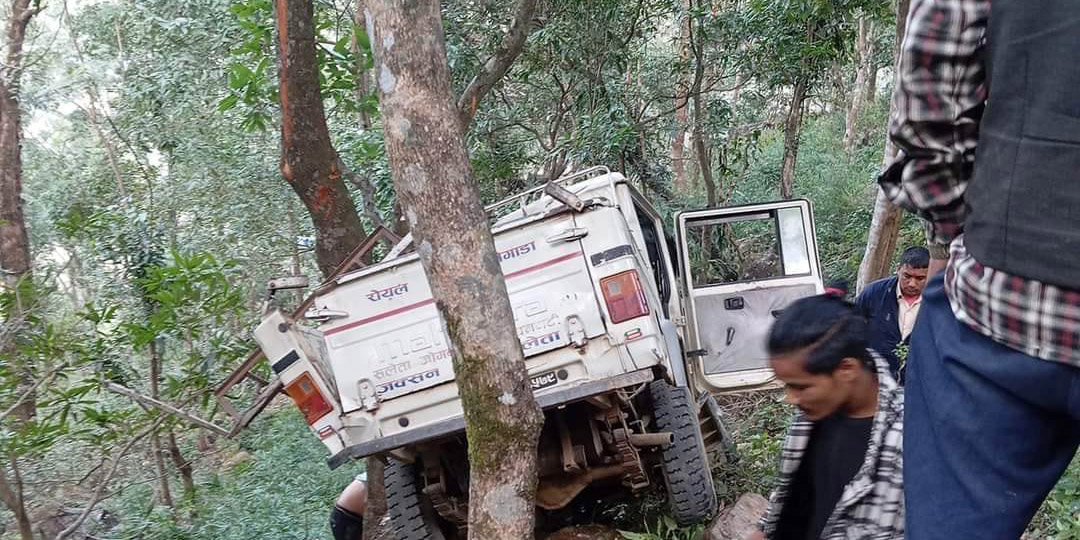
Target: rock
x,y
738,521
585,532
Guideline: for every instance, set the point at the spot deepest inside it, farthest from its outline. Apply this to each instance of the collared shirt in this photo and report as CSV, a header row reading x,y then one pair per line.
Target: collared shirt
x,y
906,312
938,103
872,505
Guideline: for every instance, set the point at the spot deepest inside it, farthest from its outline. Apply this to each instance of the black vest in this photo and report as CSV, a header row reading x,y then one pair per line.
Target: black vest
x,y
1025,195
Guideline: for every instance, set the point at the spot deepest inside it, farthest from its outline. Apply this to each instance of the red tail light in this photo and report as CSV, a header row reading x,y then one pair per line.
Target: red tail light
x,y
305,393
624,296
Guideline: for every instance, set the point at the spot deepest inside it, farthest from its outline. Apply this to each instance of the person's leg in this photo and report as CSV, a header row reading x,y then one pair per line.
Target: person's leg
x,y
987,430
346,525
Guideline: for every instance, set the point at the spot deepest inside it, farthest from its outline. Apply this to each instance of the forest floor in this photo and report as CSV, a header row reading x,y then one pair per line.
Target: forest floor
x,y
273,482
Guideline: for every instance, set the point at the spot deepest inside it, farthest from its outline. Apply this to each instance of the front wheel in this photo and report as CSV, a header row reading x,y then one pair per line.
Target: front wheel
x,y
685,466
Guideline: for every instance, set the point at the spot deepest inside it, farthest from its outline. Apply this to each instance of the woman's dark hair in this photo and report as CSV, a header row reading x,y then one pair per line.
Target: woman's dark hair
x,y
828,328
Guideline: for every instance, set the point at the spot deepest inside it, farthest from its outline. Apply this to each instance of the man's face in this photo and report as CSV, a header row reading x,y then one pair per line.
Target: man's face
x,y
912,280
816,395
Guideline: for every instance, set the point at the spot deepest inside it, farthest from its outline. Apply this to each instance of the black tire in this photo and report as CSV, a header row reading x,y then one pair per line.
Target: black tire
x,y
410,517
685,467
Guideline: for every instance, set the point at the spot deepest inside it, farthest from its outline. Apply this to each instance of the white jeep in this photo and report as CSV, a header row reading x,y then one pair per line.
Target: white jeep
x,y
626,334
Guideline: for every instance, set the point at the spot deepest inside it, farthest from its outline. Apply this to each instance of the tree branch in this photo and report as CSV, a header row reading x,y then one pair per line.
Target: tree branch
x,y
30,391
100,490
497,66
164,407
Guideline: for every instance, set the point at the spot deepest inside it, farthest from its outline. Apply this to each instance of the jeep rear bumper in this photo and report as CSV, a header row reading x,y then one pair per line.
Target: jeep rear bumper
x,y
457,424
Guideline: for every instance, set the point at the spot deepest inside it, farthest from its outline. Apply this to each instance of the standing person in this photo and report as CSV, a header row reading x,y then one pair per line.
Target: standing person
x,y
347,516
891,305
841,467
993,387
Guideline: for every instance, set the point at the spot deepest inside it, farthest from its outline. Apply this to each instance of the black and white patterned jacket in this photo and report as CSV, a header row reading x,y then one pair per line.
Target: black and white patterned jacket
x,y
872,505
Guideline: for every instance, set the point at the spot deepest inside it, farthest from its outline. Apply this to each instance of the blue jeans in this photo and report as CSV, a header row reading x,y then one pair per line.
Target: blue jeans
x,y
987,430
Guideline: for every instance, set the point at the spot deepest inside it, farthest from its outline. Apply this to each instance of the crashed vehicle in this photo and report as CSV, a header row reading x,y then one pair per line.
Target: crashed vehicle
x,y
627,334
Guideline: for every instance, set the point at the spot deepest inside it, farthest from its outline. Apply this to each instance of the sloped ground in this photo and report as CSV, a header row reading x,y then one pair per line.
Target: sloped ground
x,y
273,483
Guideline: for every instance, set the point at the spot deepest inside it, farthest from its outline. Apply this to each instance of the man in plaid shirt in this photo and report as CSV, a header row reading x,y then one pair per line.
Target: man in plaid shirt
x,y
987,120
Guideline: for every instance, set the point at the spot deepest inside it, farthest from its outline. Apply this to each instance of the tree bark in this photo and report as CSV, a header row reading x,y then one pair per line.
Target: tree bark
x,y
308,159
430,166
885,225
509,49
864,45
792,128
682,109
376,491
164,492
11,493
187,473
362,182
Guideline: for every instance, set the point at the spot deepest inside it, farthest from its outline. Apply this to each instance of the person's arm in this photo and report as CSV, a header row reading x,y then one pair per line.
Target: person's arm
x,y
862,302
937,105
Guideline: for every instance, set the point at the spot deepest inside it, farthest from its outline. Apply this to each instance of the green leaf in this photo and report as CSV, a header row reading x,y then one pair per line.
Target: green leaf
x,y
228,103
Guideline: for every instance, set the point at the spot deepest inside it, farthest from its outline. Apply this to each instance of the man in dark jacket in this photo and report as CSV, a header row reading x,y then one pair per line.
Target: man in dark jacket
x,y
892,304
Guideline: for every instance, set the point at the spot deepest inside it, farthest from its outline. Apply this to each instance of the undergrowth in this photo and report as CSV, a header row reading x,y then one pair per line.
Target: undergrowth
x,y
284,491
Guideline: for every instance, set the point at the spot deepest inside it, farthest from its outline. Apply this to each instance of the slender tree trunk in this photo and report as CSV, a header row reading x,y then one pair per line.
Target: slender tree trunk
x,y
376,490
430,165
12,494
704,158
682,109
362,182
15,261
885,224
308,159
164,491
792,128
187,473
870,90
865,64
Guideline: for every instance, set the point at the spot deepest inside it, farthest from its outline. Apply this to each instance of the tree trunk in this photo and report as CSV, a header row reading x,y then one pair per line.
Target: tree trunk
x,y
880,242
187,473
885,225
164,492
495,67
308,159
792,127
15,261
376,491
12,494
430,166
14,243
362,182
865,64
682,110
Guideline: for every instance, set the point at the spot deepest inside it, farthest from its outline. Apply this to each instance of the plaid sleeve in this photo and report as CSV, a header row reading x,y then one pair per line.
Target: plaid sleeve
x,y
937,105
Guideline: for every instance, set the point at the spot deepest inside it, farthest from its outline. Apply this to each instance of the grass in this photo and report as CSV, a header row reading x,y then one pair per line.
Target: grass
x,y
283,492
285,489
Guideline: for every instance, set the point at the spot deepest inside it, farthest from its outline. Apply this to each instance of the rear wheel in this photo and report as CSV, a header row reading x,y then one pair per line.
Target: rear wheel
x,y
411,518
685,465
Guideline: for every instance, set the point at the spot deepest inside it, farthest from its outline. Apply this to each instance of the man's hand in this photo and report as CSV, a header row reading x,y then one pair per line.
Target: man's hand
x,y
756,535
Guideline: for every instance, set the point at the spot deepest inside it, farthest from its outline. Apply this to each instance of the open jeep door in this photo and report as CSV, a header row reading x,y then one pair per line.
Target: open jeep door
x,y
740,267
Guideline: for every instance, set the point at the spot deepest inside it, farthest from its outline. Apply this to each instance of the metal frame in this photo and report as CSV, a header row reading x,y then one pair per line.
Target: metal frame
x,y
736,380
